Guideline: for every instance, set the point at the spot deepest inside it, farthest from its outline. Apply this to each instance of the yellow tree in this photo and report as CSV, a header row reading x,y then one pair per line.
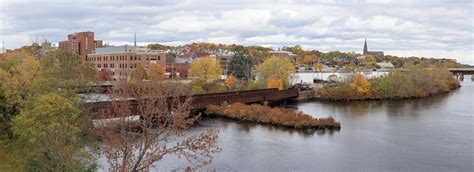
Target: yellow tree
x,y
139,74
279,67
318,67
369,61
156,72
230,82
274,82
360,84
299,60
204,71
18,71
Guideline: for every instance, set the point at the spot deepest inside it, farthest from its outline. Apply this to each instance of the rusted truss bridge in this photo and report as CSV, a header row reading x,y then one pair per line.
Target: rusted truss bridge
x,y
201,101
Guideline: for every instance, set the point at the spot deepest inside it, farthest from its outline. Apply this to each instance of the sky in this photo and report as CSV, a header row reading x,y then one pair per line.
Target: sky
x,y
423,28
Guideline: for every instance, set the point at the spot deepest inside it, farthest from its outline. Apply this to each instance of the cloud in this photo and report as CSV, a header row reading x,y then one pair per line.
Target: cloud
x,y
399,27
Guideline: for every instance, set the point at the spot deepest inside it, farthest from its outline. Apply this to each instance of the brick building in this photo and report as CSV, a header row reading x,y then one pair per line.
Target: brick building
x,y
121,61
82,43
178,70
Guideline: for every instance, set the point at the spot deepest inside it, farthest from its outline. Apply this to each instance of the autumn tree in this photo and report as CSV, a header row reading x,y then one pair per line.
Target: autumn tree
x,y
274,82
241,65
17,73
139,74
360,84
308,59
299,60
48,128
164,116
156,72
318,67
204,72
278,67
26,85
65,71
230,82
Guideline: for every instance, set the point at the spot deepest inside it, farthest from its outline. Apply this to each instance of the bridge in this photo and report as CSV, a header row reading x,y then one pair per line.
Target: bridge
x,y
460,72
201,101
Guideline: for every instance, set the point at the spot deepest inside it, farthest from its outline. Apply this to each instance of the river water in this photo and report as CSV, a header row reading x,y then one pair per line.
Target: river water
x,y
429,134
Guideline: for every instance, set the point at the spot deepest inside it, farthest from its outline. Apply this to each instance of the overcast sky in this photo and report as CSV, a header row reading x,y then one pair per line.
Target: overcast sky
x,y
428,28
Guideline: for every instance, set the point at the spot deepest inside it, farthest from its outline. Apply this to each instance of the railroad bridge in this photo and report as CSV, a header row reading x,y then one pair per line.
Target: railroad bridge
x,y
201,101
460,72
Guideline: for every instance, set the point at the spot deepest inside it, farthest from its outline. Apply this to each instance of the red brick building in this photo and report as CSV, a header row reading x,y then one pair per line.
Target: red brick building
x,y
178,70
121,61
82,43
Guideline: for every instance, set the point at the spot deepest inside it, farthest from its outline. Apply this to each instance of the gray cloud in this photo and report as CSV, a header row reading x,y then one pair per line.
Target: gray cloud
x,y
399,27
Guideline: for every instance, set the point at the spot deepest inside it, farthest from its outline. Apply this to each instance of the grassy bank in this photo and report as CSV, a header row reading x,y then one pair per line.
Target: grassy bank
x,y
274,116
397,84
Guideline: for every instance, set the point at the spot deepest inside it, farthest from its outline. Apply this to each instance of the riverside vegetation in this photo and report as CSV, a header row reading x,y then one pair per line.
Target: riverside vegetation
x,y
274,116
397,84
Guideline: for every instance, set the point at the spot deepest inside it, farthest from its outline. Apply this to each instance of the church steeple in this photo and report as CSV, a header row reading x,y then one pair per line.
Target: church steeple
x,y
135,40
365,47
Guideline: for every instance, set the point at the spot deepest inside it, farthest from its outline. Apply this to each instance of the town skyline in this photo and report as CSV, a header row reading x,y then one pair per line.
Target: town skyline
x,y
413,29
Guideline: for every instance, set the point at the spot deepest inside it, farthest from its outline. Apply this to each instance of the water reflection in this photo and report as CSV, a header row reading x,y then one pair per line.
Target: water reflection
x,y
247,127
428,134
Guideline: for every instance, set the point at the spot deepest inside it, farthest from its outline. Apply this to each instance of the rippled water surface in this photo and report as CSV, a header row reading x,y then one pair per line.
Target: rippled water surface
x,y
429,134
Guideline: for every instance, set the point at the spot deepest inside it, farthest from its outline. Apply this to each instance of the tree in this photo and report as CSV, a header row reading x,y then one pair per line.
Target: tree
x,y
156,72
139,74
47,127
230,82
17,73
279,67
164,111
274,82
318,67
241,65
299,60
360,84
309,59
205,71
64,71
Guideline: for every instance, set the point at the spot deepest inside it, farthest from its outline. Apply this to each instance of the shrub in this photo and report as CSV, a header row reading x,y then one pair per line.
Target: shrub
x,y
407,83
274,116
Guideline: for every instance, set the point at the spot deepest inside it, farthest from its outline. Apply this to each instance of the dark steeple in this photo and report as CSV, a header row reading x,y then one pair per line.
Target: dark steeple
x,y
365,47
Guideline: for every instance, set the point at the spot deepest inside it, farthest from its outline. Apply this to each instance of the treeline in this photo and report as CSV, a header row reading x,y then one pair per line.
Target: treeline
x,y
397,84
42,127
274,72
274,116
45,125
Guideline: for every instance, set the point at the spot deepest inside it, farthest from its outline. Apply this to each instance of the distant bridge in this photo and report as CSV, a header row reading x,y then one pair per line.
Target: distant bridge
x,y
201,101
460,72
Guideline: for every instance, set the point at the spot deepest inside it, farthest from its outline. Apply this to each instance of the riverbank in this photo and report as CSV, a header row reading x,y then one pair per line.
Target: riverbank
x,y
273,116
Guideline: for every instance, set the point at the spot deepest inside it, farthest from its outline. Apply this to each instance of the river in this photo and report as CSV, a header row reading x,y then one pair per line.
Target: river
x,y
428,134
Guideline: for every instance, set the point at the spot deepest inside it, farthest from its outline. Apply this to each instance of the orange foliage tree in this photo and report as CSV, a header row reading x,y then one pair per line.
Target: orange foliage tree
x,y
274,82
360,84
156,72
230,82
